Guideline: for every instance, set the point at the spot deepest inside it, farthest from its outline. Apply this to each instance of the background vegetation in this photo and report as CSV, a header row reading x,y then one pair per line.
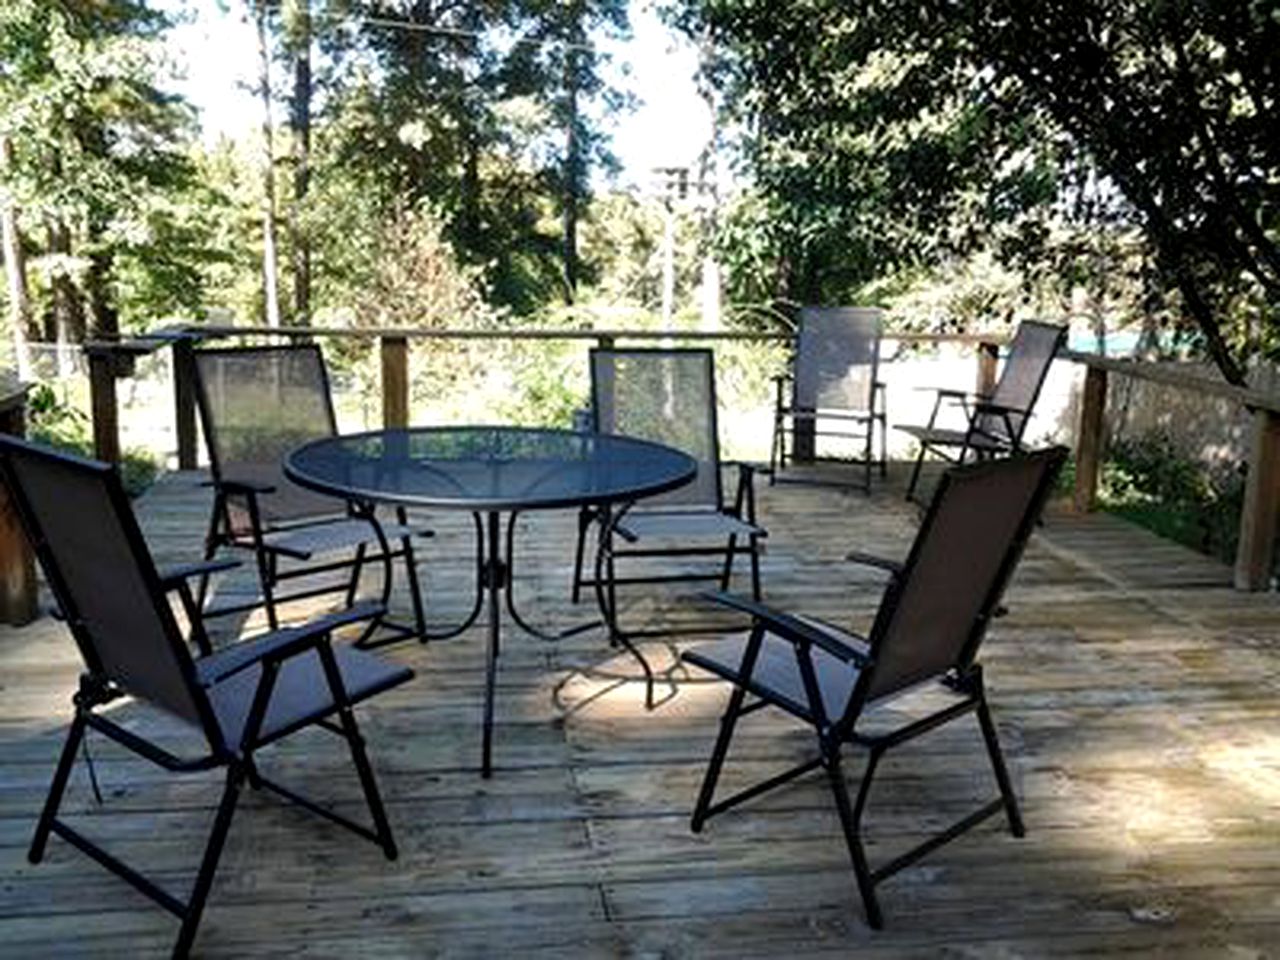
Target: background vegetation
x,y
422,163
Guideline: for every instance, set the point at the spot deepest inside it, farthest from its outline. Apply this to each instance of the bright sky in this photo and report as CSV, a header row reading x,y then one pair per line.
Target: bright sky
x,y
217,53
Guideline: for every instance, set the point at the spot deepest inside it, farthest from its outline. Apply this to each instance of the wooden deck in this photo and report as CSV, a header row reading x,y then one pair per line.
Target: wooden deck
x,y
1137,696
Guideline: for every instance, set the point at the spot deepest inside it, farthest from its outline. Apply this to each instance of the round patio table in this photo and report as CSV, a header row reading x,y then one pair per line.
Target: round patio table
x,y
490,471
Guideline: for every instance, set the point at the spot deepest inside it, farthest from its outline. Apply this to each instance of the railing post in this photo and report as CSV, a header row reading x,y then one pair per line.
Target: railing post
x,y
1093,405
184,401
18,590
395,381
604,343
1256,552
988,357
102,399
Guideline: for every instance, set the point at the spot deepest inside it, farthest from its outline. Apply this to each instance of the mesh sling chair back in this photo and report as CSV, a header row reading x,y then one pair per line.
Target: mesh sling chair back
x,y
835,391
932,618
994,424
256,404
234,701
667,396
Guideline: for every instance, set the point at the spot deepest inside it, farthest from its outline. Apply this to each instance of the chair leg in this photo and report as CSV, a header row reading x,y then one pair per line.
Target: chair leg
x,y
915,473
755,568
1011,811
357,567
727,574
415,589
209,864
868,455
884,447
59,785
210,548
584,521
707,791
364,769
773,450
851,822
266,577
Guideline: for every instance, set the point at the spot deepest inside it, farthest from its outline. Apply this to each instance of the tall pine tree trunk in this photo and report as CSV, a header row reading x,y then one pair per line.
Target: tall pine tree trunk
x,y
65,323
299,34
106,318
270,266
15,268
574,173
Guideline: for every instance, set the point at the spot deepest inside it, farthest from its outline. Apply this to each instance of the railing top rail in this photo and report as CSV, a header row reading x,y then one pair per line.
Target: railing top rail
x,y
1175,376
211,332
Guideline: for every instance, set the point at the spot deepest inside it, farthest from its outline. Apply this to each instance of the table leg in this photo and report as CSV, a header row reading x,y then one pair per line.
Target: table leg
x,y
495,574
516,617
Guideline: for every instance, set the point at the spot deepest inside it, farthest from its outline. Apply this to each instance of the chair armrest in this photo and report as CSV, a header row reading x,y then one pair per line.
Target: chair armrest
x,y
170,577
283,644
789,627
988,406
871,560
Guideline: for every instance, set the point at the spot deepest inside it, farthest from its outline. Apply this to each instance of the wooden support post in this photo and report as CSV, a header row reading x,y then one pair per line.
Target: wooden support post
x,y
988,358
1093,405
18,590
184,402
102,397
1255,555
395,382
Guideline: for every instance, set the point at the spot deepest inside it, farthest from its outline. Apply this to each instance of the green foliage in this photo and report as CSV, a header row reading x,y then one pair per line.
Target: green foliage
x,y
1146,480
547,386
1127,148
54,420
505,141
99,151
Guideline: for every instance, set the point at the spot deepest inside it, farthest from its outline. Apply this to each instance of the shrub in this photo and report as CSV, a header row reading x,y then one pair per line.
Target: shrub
x,y
54,421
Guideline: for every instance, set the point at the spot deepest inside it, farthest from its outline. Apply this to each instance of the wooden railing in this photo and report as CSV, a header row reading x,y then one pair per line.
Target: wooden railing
x,y
1255,553
110,361
1254,560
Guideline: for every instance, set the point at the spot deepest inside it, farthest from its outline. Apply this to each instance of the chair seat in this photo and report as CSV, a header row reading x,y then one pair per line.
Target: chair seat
x,y
301,694
941,437
640,524
777,672
305,540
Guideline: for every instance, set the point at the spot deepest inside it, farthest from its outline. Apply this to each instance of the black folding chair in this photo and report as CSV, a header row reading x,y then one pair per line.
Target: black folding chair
x,y
238,700
256,404
835,393
668,396
932,618
993,425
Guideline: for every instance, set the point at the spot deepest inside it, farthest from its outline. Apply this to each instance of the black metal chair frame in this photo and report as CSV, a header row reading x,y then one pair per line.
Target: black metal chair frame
x,y
876,415
269,652
222,531
979,410
607,520
964,678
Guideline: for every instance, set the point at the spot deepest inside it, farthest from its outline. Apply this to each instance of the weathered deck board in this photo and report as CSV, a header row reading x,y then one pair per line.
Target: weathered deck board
x,y
1137,696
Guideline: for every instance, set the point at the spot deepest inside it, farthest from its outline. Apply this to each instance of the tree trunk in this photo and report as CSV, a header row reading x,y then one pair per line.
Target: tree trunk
x,y
106,318
270,267
65,322
572,177
15,268
299,34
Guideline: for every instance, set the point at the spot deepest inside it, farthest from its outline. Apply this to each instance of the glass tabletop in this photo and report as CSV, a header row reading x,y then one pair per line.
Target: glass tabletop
x,y
488,468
